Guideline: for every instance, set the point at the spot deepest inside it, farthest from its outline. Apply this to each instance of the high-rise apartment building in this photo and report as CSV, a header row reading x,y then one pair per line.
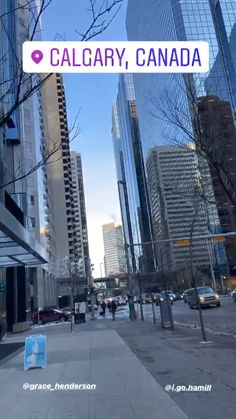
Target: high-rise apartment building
x,y
114,249
20,205
61,228
80,214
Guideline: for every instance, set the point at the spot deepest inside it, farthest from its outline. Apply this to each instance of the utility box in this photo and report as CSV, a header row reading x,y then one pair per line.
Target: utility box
x,y
166,313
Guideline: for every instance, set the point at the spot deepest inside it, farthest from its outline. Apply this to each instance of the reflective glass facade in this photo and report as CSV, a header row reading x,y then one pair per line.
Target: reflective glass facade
x,y
131,175
160,97
210,20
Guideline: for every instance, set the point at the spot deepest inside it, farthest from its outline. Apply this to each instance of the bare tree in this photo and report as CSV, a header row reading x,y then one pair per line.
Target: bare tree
x,y
208,123
16,87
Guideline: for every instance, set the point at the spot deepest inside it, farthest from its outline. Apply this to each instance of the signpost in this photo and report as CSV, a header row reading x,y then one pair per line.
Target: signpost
x,y
217,239
35,352
183,242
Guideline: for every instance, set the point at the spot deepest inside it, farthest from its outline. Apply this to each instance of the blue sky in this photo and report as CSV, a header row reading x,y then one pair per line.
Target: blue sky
x,y
92,95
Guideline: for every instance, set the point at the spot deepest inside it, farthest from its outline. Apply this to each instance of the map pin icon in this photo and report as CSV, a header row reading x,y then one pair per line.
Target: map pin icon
x,y
37,56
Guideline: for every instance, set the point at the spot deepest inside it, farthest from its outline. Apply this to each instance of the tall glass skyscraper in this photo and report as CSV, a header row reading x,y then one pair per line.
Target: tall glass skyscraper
x,y
163,97
213,21
131,176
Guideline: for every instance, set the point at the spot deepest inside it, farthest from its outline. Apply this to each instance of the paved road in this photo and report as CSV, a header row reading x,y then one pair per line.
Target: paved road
x,y
216,320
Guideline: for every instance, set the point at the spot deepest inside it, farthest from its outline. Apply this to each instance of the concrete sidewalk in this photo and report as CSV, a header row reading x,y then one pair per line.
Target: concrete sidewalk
x,y
125,389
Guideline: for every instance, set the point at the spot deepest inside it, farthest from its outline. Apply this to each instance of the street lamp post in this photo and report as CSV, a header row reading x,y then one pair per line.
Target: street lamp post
x,y
132,314
92,295
101,269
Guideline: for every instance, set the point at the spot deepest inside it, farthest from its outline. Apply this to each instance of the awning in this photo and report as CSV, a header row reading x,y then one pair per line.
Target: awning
x,y
17,246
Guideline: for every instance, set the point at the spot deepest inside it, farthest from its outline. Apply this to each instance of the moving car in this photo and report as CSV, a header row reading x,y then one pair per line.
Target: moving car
x,y
186,294
121,301
147,298
178,296
49,315
233,294
206,297
162,297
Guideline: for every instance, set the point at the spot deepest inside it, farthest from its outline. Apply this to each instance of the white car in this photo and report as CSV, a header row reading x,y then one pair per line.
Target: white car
x,y
233,294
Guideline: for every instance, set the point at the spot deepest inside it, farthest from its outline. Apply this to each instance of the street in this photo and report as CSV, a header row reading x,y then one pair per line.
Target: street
x,y
172,358
216,320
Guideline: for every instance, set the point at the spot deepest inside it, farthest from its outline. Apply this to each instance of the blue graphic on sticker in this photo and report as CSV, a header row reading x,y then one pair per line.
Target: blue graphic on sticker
x,y
35,352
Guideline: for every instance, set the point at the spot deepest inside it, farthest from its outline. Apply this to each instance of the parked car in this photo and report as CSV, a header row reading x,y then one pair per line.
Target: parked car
x,y
162,297
67,311
233,294
205,297
50,315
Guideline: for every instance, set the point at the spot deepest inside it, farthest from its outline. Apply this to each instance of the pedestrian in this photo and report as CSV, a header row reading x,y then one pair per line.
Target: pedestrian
x,y
82,311
109,306
113,309
103,306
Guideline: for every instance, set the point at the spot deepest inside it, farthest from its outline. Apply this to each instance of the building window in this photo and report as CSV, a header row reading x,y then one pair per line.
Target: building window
x,y
30,181
31,200
31,222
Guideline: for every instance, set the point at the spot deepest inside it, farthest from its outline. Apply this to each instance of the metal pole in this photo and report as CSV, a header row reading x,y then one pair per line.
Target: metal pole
x,y
132,315
211,265
153,311
172,326
222,283
141,298
200,313
38,308
93,317
71,297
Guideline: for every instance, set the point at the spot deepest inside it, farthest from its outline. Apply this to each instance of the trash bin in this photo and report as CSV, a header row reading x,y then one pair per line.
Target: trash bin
x,y
166,313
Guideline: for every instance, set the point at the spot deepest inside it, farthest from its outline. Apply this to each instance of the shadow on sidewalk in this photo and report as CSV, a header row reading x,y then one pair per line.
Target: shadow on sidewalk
x,y
7,349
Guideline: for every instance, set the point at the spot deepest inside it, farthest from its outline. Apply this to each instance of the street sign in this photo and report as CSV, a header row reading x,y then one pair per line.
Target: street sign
x,y
217,239
182,242
35,352
2,287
